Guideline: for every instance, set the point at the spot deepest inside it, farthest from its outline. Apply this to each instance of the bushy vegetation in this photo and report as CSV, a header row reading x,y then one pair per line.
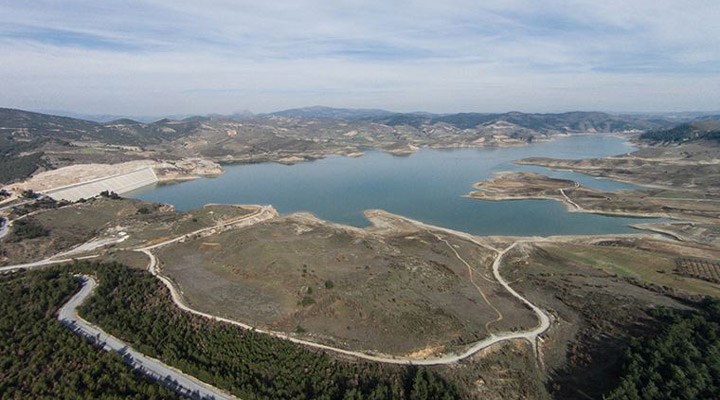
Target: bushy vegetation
x,y
27,228
144,210
110,195
13,168
681,362
29,194
41,203
18,159
134,306
41,359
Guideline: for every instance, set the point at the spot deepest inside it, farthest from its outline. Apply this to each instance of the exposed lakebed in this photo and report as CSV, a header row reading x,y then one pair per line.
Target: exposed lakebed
x,y
428,186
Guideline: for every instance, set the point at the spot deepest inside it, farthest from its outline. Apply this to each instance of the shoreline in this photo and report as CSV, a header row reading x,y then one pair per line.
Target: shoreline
x,y
570,208
380,221
173,171
176,176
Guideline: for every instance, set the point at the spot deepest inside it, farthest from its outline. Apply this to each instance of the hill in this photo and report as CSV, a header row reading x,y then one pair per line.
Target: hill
x,y
19,125
577,121
706,129
32,142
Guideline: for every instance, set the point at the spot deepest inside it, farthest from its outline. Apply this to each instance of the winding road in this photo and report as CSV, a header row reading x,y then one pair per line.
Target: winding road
x,y
267,212
263,214
177,380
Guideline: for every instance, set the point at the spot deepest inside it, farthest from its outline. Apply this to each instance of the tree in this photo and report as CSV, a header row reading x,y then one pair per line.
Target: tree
x,y
29,194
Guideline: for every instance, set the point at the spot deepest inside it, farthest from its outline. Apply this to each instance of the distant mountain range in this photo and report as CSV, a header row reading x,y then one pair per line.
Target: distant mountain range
x,y
332,113
577,121
30,141
104,118
394,118
32,126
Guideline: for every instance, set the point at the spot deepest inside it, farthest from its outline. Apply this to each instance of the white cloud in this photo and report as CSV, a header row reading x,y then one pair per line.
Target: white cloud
x,y
157,57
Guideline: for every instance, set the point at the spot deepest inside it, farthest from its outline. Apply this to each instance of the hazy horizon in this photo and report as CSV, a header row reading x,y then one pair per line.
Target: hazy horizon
x,y
152,58
102,117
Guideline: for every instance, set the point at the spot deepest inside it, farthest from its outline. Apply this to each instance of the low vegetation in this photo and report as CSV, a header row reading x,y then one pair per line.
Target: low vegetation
x,y
396,292
41,359
56,227
27,228
583,350
639,202
134,306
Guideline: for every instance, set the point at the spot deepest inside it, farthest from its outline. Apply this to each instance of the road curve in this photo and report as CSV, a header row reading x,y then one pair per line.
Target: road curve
x,y
153,368
267,212
261,215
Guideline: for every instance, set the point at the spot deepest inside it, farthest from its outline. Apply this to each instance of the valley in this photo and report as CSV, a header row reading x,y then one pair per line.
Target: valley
x,y
360,200
412,273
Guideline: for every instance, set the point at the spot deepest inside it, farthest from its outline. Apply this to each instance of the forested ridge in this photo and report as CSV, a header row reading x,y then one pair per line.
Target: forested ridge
x,y
681,133
19,159
136,307
41,359
680,362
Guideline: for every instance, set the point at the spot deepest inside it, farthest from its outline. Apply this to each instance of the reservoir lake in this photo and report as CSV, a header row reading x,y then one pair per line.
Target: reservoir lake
x,y
428,186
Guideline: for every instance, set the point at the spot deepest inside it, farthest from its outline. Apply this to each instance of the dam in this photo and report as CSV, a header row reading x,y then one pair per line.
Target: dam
x,y
121,183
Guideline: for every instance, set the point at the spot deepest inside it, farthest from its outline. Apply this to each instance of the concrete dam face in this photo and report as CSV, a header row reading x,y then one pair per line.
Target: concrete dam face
x,y
118,183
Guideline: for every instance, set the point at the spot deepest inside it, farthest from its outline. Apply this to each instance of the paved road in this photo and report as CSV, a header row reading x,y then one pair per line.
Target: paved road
x,y
43,263
3,208
266,212
4,227
155,369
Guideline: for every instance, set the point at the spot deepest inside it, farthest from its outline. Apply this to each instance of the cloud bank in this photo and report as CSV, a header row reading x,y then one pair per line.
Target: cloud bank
x,y
164,57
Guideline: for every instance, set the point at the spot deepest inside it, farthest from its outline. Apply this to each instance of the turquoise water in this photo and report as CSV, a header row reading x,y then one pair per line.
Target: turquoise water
x,y
428,186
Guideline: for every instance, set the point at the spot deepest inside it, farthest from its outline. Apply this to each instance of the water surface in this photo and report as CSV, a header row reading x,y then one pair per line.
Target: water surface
x,y
428,186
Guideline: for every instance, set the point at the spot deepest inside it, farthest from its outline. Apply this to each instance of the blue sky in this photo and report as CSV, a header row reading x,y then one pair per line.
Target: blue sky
x,y
196,57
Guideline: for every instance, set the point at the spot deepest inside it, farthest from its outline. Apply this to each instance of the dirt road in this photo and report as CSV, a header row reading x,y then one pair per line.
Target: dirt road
x,y
263,214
